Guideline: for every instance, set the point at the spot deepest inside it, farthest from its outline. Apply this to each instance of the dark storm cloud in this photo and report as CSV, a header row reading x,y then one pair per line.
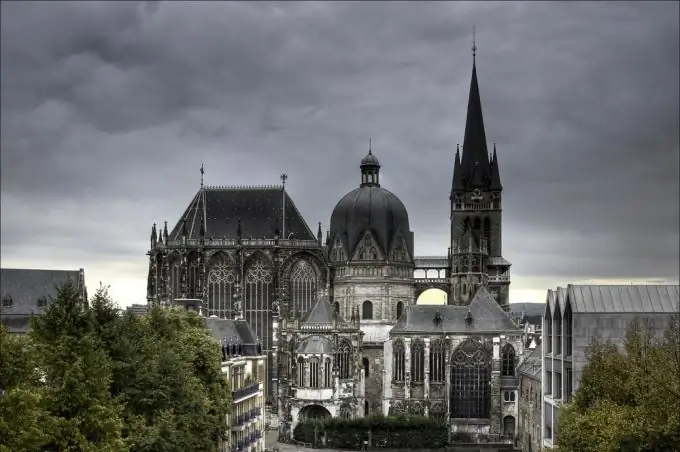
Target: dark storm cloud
x,y
108,110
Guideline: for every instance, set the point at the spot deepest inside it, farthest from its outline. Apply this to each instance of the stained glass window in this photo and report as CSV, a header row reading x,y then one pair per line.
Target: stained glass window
x,y
471,381
437,370
417,361
399,360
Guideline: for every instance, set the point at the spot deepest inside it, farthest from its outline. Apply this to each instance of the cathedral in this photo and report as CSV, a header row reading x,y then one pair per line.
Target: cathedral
x,y
338,316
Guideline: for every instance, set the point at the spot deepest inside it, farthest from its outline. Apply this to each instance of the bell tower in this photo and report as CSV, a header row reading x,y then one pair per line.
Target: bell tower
x,y
476,211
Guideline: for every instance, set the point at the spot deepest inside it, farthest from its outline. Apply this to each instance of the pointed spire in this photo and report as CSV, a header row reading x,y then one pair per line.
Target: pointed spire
x,y
457,184
319,235
153,233
495,173
160,236
165,233
475,159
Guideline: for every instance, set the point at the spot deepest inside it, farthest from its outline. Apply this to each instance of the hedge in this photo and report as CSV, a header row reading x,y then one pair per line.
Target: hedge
x,y
413,432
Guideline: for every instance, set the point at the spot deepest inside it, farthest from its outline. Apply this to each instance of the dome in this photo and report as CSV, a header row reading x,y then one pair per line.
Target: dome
x,y
370,207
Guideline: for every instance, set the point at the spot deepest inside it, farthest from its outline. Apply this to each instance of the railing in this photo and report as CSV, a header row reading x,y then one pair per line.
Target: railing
x,y
246,391
285,243
247,441
432,280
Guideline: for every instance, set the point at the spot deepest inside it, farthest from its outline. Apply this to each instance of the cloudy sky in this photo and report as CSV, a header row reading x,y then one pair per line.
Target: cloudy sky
x,y
108,110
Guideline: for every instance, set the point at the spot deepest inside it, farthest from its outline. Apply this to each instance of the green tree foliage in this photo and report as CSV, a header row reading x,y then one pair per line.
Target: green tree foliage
x,y
627,401
98,381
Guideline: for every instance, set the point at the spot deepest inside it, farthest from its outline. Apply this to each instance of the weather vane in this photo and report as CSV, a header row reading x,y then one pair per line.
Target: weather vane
x,y
474,43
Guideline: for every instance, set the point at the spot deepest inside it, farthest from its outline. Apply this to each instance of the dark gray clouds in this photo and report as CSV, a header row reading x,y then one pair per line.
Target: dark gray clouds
x,y
108,110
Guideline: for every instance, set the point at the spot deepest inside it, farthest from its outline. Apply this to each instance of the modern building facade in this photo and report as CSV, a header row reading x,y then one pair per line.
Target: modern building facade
x,y
574,316
27,292
244,364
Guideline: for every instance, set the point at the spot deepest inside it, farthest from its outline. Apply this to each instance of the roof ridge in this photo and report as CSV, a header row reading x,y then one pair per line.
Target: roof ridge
x,y
244,187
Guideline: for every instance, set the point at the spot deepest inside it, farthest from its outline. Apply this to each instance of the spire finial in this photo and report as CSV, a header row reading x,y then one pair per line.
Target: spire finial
x,y
474,44
369,146
202,172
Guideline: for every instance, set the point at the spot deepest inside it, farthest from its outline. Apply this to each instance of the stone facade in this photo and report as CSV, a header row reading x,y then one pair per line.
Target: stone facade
x,y
529,426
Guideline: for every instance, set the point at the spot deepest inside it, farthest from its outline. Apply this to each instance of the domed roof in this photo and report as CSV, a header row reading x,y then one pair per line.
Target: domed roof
x,y
370,207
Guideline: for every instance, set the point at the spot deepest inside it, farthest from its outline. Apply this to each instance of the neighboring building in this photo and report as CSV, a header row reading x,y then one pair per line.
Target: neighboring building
x,y
457,363
27,292
574,315
321,367
138,310
529,429
244,364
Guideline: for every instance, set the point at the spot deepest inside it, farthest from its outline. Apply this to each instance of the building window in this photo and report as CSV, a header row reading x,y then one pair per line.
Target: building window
x,y
314,373
399,361
548,331
374,253
303,286
328,373
417,361
568,385
220,286
301,372
364,361
437,371
548,382
471,381
548,432
367,310
192,280
557,325
508,368
509,396
400,309
344,359
558,385
568,327
336,307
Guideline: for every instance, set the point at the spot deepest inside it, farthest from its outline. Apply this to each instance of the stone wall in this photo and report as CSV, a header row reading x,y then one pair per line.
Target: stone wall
x,y
374,382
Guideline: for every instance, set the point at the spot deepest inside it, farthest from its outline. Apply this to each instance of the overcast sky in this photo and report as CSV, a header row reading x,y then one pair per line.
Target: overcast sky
x,y
108,110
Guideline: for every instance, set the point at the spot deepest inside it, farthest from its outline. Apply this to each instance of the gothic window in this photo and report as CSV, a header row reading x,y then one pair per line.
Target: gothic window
x,y
476,225
374,253
344,359
175,275
7,301
508,361
301,372
417,361
220,287
399,361
303,285
400,309
470,381
192,280
327,373
362,253
364,361
437,371
257,299
365,407
314,373
367,310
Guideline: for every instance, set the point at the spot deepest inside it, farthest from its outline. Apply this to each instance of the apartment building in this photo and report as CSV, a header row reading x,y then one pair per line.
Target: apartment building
x,y
574,316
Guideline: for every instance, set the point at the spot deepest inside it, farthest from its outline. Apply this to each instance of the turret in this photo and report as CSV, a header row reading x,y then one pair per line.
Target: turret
x,y
153,236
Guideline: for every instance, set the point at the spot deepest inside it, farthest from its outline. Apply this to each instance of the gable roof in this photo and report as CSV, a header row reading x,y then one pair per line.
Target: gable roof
x,y
260,210
233,332
26,286
322,312
623,299
487,317
531,365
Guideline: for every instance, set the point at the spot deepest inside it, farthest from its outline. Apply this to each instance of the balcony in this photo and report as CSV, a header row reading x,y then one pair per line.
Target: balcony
x,y
241,421
246,391
243,444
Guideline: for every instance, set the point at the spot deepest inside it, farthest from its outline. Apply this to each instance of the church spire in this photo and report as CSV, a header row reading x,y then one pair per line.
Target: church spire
x,y
457,184
475,167
495,173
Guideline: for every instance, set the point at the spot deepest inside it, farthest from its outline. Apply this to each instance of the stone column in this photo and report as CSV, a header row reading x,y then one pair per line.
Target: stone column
x,y
426,383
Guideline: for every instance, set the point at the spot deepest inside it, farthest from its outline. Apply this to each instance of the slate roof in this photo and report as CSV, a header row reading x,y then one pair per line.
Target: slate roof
x,y
615,299
531,365
233,332
260,210
315,345
26,287
322,312
486,314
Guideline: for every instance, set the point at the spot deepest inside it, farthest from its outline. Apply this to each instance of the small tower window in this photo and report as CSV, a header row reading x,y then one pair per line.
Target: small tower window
x,y
367,310
7,301
364,361
400,309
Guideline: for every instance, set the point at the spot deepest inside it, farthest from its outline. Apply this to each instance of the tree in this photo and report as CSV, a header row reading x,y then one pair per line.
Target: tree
x,y
627,401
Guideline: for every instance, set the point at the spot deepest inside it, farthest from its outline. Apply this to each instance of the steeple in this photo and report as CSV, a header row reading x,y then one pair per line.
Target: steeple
x,y
495,173
370,169
475,167
457,184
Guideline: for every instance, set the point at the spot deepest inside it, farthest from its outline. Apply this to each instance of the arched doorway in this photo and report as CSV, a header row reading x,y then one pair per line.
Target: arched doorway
x,y
509,427
314,412
432,296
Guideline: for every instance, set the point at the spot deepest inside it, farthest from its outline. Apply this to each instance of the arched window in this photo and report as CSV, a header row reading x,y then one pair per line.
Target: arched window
x,y
374,253
301,372
364,361
508,361
471,381
258,294
437,370
367,310
417,361
399,361
314,373
508,426
220,286
344,359
328,373
192,280
336,307
362,253
303,285
400,309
